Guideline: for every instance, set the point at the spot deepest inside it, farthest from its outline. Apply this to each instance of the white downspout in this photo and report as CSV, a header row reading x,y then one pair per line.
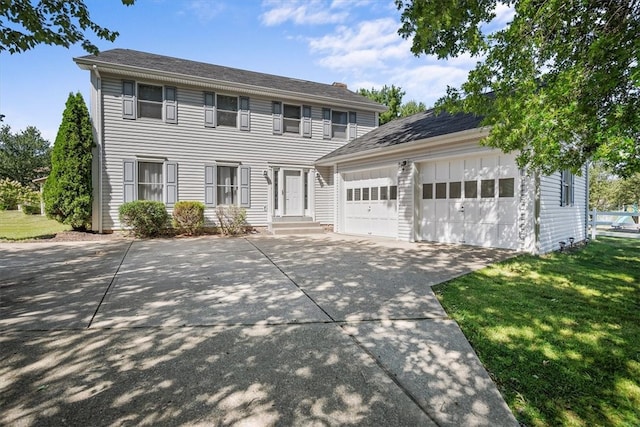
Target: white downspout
x,y
99,131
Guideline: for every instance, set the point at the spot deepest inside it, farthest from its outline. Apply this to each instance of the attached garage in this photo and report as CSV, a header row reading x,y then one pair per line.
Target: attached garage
x,y
427,177
370,202
471,201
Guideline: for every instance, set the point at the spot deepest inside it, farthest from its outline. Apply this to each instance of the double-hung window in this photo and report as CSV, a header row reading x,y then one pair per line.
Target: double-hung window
x,y
339,124
292,119
227,185
149,101
227,111
151,179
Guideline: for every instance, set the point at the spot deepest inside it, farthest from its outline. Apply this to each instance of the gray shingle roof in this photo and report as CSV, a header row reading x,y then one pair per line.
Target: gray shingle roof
x,y
408,129
160,63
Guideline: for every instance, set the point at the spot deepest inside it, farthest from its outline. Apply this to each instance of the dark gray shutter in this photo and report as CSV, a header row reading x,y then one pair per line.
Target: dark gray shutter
x,y
172,183
571,190
563,178
245,123
210,185
244,173
129,181
306,121
170,105
276,110
128,100
353,126
210,109
326,123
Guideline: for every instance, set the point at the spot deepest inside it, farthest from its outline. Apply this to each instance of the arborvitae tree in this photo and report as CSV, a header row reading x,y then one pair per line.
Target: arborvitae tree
x,y
67,191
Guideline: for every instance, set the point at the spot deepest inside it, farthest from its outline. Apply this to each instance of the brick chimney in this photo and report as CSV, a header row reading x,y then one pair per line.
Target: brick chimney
x,y
338,84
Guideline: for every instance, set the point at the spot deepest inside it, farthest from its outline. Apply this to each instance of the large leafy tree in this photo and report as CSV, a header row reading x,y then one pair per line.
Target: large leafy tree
x,y
25,24
67,191
392,98
24,155
563,75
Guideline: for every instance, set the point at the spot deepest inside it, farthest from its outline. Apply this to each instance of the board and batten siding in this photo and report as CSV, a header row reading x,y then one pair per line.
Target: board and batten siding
x,y
558,223
191,145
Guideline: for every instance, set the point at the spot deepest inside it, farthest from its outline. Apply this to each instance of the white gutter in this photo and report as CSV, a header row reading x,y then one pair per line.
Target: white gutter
x,y
129,70
462,136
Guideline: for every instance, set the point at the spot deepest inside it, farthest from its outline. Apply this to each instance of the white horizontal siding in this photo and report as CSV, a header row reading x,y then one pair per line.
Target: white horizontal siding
x,y
324,194
558,223
191,145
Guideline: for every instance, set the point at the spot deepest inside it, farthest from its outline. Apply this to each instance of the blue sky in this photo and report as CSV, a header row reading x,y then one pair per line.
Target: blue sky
x,y
350,41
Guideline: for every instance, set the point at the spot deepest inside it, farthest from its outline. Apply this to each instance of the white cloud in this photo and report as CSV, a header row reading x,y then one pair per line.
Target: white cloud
x,y
504,13
372,44
300,12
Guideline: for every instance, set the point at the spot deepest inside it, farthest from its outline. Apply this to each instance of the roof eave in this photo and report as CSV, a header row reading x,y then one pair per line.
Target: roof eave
x,y
129,70
462,136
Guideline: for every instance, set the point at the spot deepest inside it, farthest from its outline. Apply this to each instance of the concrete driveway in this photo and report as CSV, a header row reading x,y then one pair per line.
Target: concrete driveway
x,y
327,330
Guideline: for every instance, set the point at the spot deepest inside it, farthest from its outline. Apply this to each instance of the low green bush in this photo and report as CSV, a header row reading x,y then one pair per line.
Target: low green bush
x,y
232,220
31,209
188,217
145,217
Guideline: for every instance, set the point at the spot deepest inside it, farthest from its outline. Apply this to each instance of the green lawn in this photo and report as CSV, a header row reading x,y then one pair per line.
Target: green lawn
x,y
14,225
560,334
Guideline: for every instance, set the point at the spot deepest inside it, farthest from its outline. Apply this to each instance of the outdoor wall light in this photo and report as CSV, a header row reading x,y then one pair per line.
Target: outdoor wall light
x,y
265,173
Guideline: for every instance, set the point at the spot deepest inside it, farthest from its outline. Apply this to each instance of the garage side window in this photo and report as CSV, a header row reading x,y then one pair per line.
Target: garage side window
x,y
566,188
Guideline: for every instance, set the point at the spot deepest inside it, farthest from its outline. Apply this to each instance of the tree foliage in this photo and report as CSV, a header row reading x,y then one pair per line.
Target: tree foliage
x,y
68,191
609,192
564,75
24,25
392,98
24,155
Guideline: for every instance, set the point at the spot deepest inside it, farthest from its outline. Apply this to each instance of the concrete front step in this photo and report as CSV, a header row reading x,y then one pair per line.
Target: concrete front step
x,y
296,227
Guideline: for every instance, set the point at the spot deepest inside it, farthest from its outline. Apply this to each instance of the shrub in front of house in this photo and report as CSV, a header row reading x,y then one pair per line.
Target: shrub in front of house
x,y
188,217
232,220
30,202
146,218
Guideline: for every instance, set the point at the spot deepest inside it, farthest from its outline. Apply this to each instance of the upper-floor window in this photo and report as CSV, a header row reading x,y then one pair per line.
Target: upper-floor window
x,y
339,124
566,188
150,101
144,100
227,111
291,119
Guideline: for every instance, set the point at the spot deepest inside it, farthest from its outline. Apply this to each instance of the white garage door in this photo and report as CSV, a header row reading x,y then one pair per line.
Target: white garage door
x,y
370,202
472,201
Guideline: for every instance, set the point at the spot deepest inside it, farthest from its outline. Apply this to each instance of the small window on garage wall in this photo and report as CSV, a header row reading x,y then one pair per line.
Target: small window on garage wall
x,y
384,193
393,192
349,194
455,190
471,189
506,187
427,191
487,188
374,193
441,190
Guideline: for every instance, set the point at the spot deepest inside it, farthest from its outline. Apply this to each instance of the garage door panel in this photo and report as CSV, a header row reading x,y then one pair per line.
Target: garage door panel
x,y
487,221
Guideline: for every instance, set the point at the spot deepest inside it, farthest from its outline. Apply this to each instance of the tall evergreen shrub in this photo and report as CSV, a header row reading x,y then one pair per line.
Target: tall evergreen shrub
x,y
67,191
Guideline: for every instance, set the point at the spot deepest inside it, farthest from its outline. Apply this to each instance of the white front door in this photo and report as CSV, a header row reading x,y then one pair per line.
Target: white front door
x,y
292,196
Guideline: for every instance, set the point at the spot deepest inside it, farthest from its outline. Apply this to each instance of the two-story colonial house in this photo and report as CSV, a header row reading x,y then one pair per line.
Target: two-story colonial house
x,y
169,129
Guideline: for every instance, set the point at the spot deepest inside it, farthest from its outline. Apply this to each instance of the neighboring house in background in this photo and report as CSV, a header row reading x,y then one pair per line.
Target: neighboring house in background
x,y
451,189
169,129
